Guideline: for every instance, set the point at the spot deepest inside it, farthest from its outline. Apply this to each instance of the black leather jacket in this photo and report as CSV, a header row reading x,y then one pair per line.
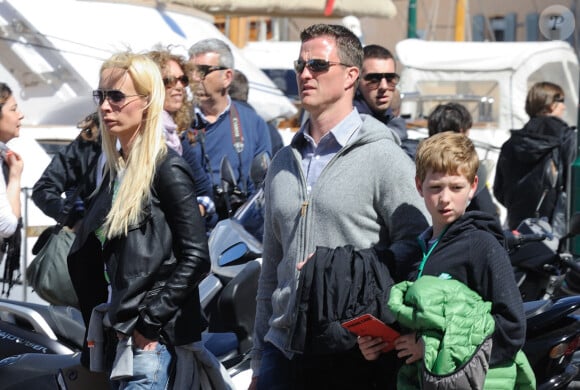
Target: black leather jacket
x,y
155,269
67,170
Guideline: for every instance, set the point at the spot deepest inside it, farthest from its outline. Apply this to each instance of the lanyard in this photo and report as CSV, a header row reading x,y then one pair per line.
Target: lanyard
x,y
426,255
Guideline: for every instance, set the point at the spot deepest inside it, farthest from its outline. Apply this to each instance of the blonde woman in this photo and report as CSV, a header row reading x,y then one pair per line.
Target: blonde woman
x,y
143,228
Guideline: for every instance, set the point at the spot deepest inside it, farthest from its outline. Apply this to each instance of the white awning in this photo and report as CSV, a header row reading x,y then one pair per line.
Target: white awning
x,y
292,8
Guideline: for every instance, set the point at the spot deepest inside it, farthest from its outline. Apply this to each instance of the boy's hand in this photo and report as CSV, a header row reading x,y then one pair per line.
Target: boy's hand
x,y
371,347
408,346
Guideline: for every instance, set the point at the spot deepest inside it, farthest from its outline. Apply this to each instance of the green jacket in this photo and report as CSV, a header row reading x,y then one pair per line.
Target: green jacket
x,y
455,325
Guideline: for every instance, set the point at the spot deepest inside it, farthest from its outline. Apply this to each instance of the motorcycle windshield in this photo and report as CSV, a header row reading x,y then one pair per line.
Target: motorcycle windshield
x,y
251,215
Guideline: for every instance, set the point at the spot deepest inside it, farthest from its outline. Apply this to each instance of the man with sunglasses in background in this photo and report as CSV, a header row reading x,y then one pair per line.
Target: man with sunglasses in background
x,y
221,127
378,81
343,180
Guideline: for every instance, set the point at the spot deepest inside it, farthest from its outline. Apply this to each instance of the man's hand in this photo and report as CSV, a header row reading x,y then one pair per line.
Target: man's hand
x,y
408,346
253,384
301,264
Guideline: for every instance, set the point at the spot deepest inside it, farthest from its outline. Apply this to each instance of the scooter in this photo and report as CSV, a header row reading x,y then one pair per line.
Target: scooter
x,y
542,267
228,293
552,338
40,345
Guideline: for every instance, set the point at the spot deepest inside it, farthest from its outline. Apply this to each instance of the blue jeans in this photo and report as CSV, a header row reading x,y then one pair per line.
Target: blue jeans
x,y
150,370
276,372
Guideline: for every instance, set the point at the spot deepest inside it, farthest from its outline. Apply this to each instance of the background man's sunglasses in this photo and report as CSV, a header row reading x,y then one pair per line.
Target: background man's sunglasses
x,y
113,96
171,81
376,78
203,70
315,65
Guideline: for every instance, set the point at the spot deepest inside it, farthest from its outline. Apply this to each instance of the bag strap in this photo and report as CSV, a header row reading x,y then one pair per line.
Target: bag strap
x,y
69,202
557,158
236,128
237,136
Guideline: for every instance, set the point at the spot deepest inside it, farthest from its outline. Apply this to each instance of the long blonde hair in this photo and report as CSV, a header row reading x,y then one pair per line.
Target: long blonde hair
x,y
138,169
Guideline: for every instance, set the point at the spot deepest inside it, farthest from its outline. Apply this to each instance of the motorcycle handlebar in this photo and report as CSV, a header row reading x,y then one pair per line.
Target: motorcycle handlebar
x,y
514,241
571,263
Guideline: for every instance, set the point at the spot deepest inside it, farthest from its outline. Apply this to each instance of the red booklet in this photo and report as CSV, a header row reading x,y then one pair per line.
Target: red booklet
x,y
369,325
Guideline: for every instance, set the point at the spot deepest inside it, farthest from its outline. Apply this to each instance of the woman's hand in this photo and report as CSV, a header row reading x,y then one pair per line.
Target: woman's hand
x,y
15,163
143,343
371,347
408,346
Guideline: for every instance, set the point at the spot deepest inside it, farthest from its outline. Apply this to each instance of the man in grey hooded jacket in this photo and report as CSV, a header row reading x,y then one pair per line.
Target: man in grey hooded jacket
x,y
343,180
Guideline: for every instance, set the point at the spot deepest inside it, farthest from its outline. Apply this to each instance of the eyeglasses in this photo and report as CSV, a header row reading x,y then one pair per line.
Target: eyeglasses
x,y
559,99
374,79
113,96
170,81
203,70
315,65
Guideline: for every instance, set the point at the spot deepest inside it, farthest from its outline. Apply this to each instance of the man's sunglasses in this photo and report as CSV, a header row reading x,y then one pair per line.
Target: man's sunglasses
x,y
203,70
113,96
170,81
314,65
374,79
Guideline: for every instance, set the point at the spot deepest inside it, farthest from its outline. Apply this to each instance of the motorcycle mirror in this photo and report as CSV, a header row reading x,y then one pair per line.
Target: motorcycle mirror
x,y
227,175
236,254
259,168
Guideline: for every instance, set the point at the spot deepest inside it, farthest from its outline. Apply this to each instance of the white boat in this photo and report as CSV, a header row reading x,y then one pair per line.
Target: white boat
x,y
51,52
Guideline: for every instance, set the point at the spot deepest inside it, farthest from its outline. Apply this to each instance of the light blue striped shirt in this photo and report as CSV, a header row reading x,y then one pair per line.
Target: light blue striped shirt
x,y
316,157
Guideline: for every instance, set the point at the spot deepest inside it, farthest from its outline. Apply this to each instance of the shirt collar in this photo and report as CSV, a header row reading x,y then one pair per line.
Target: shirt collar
x,y
198,111
342,132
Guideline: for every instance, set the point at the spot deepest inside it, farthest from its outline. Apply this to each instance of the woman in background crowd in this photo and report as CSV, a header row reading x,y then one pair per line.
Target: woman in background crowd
x,y
177,111
522,181
12,166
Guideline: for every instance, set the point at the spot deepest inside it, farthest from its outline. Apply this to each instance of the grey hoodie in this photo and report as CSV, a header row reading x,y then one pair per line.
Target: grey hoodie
x,y
364,197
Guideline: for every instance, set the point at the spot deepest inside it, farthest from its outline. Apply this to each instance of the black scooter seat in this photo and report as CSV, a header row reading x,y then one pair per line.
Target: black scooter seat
x,y
65,321
547,312
534,308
